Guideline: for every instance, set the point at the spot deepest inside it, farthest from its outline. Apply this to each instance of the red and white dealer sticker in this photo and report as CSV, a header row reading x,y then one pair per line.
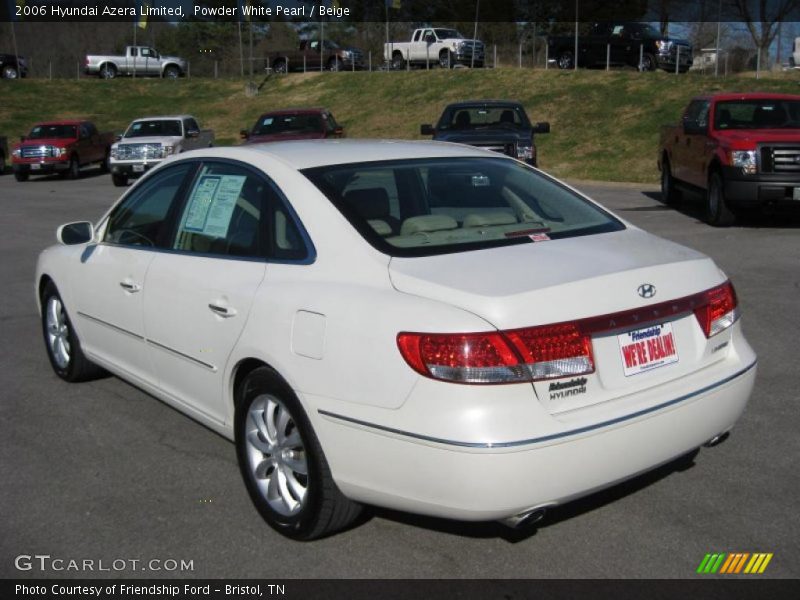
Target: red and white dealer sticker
x,y
648,348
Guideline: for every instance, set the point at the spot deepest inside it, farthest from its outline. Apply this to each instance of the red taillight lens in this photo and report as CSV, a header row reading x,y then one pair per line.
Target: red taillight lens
x,y
463,358
554,350
719,309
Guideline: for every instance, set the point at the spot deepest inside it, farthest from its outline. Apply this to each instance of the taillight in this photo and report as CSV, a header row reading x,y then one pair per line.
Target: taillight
x,y
554,351
718,310
499,357
463,358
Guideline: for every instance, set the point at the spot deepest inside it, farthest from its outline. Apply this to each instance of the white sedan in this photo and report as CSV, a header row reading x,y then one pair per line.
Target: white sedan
x,y
423,326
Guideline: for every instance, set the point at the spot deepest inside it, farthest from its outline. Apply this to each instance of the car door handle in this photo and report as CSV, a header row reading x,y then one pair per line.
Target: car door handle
x,y
222,310
129,286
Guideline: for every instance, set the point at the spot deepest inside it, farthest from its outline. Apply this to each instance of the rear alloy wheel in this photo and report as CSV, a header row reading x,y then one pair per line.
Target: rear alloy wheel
x,y
398,62
282,463
279,66
171,73
61,341
335,64
669,195
9,72
565,60
107,72
119,179
717,212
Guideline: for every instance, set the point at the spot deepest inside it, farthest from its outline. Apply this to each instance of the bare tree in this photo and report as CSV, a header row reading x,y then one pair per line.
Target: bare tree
x,y
761,17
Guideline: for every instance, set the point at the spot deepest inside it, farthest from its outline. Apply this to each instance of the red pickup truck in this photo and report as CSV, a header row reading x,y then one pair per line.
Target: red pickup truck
x,y
741,150
61,147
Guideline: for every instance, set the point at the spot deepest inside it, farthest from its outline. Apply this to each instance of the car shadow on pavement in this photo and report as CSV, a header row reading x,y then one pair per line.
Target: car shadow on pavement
x,y
691,205
554,516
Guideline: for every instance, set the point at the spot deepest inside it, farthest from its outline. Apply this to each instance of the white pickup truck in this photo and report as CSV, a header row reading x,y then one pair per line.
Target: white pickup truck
x,y
140,61
150,140
435,45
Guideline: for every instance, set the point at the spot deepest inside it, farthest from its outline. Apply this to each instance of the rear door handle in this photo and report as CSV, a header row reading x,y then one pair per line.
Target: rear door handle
x,y
222,310
129,286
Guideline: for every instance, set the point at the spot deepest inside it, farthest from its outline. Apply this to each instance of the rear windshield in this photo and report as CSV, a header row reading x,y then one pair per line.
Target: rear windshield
x,y
758,114
438,206
483,117
272,124
156,128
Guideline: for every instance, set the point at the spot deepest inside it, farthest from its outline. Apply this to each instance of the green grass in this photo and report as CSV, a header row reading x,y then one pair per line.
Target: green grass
x,y
604,125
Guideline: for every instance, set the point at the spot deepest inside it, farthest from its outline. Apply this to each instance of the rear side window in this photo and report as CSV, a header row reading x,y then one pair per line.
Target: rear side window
x,y
436,206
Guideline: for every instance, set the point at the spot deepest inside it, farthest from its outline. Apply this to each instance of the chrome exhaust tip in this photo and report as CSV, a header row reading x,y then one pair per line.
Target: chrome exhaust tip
x,y
717,440
529,517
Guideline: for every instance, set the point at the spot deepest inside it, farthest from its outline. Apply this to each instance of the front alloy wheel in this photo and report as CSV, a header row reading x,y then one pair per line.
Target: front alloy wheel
x,y
282,462
717,212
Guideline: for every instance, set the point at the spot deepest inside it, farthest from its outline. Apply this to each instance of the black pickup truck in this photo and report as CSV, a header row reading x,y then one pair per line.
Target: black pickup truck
x,y
497,125
637,45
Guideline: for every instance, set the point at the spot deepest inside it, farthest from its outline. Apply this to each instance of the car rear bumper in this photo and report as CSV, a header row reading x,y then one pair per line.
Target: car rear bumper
x,y
475,481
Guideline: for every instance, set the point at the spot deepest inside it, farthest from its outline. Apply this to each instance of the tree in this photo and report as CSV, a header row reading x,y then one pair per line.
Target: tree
x,y
761,17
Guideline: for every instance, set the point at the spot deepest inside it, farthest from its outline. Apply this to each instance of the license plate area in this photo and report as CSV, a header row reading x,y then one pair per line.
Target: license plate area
x,y
35,167
647,348
138,168
796,193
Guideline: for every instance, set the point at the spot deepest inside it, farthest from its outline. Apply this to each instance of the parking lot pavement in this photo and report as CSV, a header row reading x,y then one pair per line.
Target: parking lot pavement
x,y
103,471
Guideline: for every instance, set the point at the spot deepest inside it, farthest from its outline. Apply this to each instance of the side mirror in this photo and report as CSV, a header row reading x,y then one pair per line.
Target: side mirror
x,y
244,134
193,133
118,137
427,129
543,127
22,138
79,232
692,127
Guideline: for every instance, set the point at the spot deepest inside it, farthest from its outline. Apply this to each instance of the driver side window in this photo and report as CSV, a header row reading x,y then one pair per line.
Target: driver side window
x,y
141,219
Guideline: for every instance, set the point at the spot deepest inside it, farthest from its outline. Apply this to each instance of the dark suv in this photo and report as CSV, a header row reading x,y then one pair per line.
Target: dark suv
x,y
497,125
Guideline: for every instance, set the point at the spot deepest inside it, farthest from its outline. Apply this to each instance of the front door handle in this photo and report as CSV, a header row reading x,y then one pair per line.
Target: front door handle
x,y
129,286
222,310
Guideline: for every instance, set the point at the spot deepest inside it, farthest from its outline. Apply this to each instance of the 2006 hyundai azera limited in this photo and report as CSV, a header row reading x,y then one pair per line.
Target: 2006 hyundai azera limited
x,y
423,326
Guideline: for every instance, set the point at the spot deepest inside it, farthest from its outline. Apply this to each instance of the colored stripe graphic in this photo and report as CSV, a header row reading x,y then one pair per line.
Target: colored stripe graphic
x,y
732,563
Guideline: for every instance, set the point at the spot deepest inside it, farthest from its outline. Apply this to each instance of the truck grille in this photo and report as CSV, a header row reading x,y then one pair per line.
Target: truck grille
x,y
138,151
38,151
782,159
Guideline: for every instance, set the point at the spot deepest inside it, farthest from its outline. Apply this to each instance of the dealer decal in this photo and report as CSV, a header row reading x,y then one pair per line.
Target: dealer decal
x,y
648,348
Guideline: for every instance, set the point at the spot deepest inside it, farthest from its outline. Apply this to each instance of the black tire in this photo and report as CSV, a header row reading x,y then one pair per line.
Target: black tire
x,y
61,342
74,171
105,166
718,213
648,62
669,194
446,59
2,164
9,72
172,72
321,509
19,176
335,64
398,62
279,66
107,71
565,60
119,179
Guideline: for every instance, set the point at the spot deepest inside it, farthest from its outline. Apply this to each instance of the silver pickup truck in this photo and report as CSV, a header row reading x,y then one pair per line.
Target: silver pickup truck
x,y
150,140
139,61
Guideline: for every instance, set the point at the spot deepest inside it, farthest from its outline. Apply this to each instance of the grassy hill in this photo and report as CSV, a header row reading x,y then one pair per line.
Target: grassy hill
x,y
605,125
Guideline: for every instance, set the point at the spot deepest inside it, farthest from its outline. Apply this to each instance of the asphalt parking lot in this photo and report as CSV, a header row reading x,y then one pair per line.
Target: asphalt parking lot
x,y
103,471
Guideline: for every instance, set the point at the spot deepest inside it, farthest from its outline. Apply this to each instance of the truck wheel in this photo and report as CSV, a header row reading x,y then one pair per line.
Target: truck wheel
x,y
172,72
2,163
565,60
74,171
669,195
446,59
335,64
717,212
9,72
279,66
398,62
107,71
648,62
19,176
105,166
120,180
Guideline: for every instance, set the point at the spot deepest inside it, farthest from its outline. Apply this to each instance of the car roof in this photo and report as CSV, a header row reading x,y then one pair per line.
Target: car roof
x,y
305,154
164,117
296,111
61,122
748,96
488,103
